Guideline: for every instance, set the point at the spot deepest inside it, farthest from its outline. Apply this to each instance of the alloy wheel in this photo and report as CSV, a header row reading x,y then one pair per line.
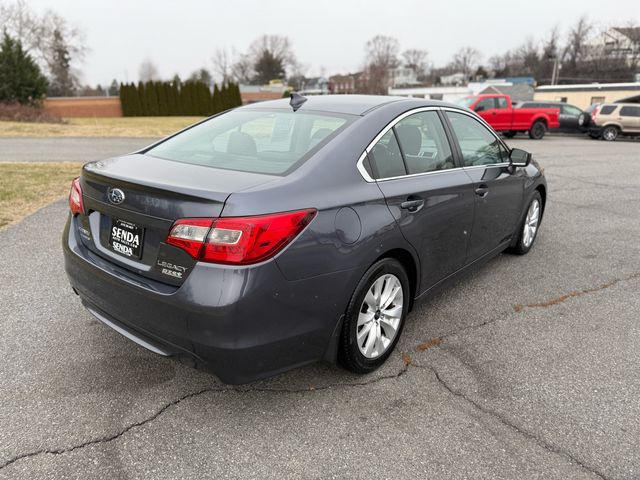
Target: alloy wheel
x,y
531,223
610,133
380,315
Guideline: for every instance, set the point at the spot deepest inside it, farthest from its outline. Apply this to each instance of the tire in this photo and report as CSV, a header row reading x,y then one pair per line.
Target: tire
x,y
366,353
537,130
610,133
509,133
525,242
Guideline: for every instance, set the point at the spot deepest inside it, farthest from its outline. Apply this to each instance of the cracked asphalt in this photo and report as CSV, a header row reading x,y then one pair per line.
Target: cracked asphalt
x,y
526,368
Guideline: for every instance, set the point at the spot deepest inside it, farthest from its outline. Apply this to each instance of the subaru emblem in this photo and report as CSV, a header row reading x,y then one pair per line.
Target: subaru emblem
x,y
116,196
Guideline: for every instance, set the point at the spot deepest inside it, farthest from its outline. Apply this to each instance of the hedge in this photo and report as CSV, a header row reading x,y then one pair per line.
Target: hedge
x,y
170,98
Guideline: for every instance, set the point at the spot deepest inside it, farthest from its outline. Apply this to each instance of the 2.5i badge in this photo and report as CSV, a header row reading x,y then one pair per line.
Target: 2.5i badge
x,y
126,238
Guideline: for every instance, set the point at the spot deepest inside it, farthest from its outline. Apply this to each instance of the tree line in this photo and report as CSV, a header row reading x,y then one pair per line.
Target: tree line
x,y
54,45
156,98
57,48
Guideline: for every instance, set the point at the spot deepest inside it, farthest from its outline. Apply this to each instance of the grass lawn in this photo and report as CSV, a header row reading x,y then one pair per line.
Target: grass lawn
x,y
99,127
26,187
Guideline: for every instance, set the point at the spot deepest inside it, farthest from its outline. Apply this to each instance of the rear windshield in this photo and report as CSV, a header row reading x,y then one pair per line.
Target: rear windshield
x,y
257,141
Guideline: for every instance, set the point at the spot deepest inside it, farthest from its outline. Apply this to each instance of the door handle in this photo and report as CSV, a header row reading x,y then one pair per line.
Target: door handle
x,y
412,204
482,190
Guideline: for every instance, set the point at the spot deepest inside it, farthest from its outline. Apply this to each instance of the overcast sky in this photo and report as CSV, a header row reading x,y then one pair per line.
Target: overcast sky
x,y
327,35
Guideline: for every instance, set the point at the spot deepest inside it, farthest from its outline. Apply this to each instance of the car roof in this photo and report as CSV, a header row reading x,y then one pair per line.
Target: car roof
x,y
343,104
622,104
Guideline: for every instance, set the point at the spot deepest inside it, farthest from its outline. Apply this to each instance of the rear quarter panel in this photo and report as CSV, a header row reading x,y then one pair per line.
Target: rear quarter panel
x,y
524,118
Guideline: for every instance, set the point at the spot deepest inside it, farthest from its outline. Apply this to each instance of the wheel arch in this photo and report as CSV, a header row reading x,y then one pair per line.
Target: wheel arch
x,y
410,265
543,195
542,119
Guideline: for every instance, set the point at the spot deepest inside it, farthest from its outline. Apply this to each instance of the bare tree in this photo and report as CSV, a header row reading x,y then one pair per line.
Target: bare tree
x,y
528,59
575,49
382,51
272,56
222,64
416,60
297,77
269,57
242,69
44,35
466,60
381,55
277,46
549,64
147,71
21,23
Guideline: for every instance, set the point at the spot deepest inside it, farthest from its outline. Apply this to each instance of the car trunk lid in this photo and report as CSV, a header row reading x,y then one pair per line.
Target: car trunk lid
x,y
131,202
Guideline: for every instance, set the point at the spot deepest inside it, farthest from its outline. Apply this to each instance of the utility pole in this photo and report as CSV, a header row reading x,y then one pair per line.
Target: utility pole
x,y
556,71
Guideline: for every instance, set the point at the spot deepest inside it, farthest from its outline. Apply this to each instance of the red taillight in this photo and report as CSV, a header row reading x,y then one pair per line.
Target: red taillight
x,y
238,240
595,111
75,197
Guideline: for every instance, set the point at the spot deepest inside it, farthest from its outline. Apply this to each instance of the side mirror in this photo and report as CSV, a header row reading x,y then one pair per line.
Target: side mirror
x,y
519,158
479,108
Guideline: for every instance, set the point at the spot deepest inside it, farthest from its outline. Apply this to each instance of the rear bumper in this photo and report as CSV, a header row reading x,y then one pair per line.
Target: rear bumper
x,y
241,323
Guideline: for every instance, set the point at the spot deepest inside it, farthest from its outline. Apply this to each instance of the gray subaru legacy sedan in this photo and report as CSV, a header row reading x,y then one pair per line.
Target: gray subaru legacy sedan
x,y
287,232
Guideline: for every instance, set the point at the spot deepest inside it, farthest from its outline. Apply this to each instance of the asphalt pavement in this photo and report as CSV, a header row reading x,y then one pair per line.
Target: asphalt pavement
x,y
527,368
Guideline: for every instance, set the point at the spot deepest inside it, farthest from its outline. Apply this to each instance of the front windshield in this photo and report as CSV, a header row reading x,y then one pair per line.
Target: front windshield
x,y
250,140
466,102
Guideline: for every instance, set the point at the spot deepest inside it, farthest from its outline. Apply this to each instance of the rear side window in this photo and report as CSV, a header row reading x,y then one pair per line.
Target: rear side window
x,y
607,109
630,112
502,102
256,141
424,143
479,146
385,157
570,110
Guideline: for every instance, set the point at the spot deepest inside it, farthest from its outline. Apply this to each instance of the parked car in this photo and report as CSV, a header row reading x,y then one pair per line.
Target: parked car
x,y
498,112
568,118
610,120
284,233
585,120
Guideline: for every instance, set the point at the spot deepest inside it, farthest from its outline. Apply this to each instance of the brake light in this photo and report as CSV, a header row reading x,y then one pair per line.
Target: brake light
x,y
75,197
238,240
595,111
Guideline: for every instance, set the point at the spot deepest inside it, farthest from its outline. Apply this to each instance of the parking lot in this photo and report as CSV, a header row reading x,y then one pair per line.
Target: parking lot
x,y
527,368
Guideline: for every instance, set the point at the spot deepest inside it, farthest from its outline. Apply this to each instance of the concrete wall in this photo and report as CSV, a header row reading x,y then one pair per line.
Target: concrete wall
x,y
84,106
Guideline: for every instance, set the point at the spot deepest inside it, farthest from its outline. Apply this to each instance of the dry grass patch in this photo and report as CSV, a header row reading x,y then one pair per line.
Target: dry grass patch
x,y
26,187
99,127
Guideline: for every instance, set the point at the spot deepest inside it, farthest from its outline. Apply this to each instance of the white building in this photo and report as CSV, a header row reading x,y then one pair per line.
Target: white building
x,y
403,76
617,41
455,79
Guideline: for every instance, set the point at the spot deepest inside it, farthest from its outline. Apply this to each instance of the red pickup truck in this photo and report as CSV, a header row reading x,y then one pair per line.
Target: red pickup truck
x,y
498,112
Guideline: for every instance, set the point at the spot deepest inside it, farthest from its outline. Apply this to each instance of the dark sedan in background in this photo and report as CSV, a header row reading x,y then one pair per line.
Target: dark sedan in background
x,y
569,114
288,232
